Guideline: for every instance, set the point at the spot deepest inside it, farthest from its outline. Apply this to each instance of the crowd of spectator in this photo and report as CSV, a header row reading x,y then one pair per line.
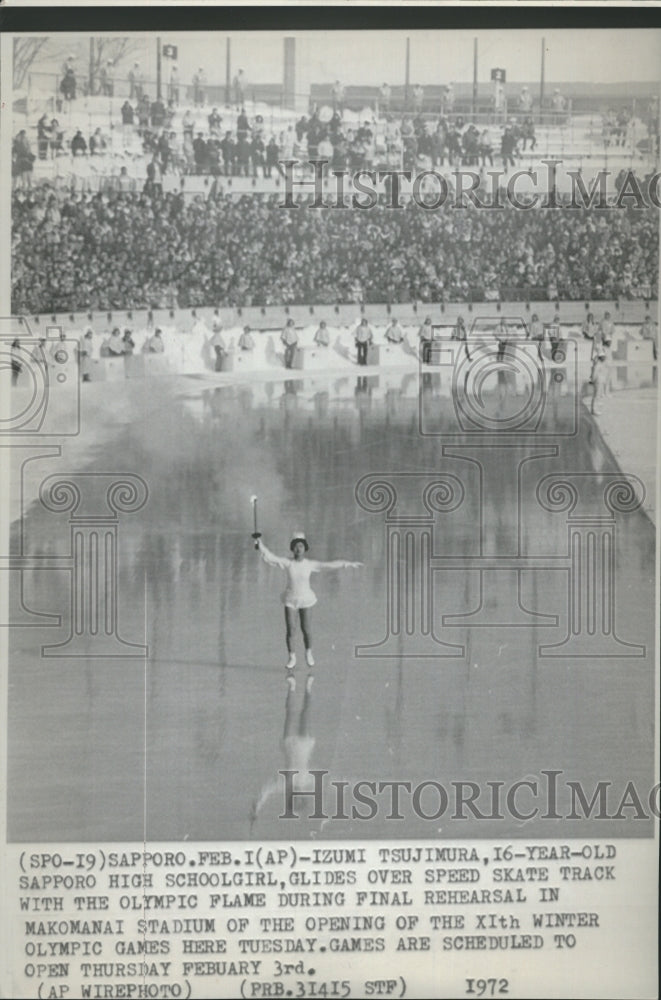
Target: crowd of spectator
x,y
131,250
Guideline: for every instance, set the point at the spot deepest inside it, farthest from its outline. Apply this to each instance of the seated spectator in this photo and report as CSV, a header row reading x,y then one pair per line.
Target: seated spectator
x,y
113,346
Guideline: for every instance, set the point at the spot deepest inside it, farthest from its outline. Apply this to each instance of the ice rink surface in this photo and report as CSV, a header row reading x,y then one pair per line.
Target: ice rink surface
x,y
187,742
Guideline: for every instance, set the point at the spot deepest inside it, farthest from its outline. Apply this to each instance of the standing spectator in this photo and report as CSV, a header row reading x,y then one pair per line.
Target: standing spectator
x,y
128,341
501,335
528,133
337,94
56,141
559,105
154,344
188,125
201,154
154,182
394,333
144,113
106,82
507,147
525,101
459,330
257,151
68,65
648,331
219,347
242,125
301,128
363,337
124,182
68,85
485,148
239,86
246,340
228,149
289,339
418,98
426,337
157,113
273,158
536,332
199,88
321,337
214,120
384,94
173,84
242,157
136,83
43,133
127,120
78,144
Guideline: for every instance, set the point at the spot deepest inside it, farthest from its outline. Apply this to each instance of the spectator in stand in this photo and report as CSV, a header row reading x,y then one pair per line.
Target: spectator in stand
x,y
43,134
242,157
199,88
157,113
68,85
485,148
215,122
384,98
136,83
239,87
78,144
528,133
128,117
56,141
559,105
173,85
124,182
363,337
337,96
188,125
507,147
257,154
106,81
289,339
228,149
242,125
98,144
201,154
301,128
154,183
273,158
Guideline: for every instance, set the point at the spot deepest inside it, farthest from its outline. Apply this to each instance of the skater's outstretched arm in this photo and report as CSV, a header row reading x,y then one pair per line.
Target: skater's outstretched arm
x,y
334,564
280,561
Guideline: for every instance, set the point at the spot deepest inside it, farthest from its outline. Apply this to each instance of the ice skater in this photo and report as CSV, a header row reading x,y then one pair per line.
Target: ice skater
x,y
299,598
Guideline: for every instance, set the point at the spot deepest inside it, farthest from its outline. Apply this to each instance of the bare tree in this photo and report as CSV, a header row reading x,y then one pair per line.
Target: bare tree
x,y
26,51
112,50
